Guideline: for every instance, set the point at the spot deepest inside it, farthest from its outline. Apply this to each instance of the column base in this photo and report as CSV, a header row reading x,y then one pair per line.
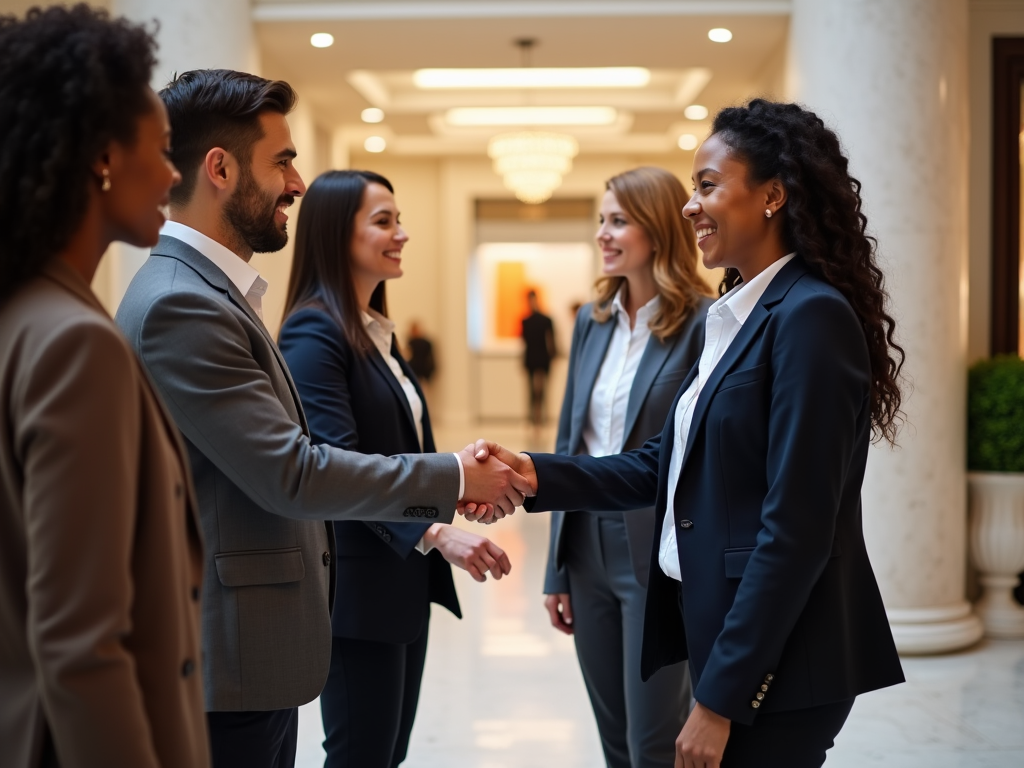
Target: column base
x,y
999,612
919,631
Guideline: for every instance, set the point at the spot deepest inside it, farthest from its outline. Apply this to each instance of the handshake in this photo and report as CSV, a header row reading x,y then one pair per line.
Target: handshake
x,y
497,481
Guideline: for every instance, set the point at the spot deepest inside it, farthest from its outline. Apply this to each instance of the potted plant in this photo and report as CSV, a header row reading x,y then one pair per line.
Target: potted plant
x,y
995,480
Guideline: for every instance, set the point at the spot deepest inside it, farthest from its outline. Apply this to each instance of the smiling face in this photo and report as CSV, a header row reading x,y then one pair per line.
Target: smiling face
x,y
626,248
270,183
141,177
377,240
727,211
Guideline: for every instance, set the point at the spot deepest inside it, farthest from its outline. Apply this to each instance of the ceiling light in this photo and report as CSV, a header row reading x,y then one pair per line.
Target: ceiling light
x,y
688,141
375,144
532,163
322,40
695,112
719,35
534,77
372,115
476,116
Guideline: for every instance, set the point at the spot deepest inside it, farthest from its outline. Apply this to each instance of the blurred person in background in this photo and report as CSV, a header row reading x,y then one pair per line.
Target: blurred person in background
x,y
100,552
421,354
539,350
359,394
631,349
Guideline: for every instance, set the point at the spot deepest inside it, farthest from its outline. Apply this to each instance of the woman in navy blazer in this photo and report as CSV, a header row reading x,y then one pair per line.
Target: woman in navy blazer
x,y
359,394
759,574
630,351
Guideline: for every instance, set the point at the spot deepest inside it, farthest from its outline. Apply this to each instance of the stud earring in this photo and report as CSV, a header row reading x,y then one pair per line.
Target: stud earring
x,y
105,186
768,213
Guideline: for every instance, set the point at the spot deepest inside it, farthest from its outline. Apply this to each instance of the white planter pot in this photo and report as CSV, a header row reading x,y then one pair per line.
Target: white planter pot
x,y
997,547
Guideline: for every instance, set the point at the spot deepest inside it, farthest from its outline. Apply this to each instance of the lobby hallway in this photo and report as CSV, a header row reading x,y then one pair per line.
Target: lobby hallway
x,y
502,689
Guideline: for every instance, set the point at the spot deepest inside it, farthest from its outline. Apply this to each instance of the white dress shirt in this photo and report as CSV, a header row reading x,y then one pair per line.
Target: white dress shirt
x,y
245,278
725,319
381,331
603,433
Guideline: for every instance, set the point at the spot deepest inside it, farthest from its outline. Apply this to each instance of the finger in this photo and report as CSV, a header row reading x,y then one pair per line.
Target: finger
x,y
567,610
500,557
553,615
490,563
521,484
505,505
473,571
480,449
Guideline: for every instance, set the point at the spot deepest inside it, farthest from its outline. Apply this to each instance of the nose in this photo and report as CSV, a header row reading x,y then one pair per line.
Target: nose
x,y
402,236
295,186
692,207
602,233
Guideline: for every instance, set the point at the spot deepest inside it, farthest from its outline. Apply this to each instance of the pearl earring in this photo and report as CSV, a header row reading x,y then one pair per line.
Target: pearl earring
x,y
768,213
105,186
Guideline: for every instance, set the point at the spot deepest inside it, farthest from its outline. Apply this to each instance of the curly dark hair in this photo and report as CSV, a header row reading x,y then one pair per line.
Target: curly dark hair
x,y
71,81
823,223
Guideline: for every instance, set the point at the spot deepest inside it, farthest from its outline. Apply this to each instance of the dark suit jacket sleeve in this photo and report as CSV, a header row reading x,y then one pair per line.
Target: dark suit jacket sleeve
x,y
620,482
819,398
556,579
319,357
78,438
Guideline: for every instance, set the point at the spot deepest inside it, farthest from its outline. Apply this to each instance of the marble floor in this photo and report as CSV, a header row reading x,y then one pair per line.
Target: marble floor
x,y
502,688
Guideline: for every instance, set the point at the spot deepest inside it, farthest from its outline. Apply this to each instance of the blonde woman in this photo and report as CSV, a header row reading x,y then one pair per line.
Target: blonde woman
x,y
631,349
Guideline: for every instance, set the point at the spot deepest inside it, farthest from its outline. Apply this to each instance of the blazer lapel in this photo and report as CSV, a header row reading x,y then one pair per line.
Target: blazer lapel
x,y
595,347
396,388
653,360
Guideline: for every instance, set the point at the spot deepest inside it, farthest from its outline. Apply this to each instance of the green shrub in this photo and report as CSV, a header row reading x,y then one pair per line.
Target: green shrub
x,y
995,415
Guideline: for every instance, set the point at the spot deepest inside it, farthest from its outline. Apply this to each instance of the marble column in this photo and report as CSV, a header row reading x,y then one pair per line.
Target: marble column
x,y
890,76
193,34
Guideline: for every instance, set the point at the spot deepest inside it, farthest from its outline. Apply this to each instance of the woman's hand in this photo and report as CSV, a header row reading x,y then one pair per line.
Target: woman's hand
x,y
701,743
559,608
472,553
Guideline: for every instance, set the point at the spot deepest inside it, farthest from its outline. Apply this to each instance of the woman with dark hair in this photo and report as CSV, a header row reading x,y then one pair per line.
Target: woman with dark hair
x,y
359,394
762,578
630,351
100,556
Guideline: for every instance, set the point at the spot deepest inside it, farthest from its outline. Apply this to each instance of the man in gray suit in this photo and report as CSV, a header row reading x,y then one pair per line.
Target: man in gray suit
x,y
193,313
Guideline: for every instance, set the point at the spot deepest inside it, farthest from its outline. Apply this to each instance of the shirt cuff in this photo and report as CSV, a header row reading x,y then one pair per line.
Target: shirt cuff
x,y
422,547
462,476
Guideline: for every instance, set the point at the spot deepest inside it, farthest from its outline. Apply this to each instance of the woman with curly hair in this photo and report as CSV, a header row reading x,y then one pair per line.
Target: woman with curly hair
x,y
761,576
100,556
630,351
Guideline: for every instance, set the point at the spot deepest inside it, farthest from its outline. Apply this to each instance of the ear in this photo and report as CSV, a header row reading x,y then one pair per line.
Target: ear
x,y
775,195
103,162
220,168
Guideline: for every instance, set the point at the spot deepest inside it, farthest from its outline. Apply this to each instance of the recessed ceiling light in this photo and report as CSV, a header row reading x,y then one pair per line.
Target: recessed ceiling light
x,y
688,141
372,115
719,35
322,40
474,116
696,112
375,144
534,77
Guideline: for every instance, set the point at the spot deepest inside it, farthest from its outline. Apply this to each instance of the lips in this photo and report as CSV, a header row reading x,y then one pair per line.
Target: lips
x,y
393,255
704,232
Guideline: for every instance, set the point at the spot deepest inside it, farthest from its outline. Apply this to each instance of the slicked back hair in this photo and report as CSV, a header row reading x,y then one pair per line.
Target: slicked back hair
x,y
218,108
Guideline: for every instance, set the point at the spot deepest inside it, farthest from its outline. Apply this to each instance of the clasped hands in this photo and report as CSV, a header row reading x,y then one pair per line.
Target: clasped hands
x,y
497,481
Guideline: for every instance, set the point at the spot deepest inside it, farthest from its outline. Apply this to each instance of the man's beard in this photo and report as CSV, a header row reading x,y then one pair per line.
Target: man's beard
x,y
250,214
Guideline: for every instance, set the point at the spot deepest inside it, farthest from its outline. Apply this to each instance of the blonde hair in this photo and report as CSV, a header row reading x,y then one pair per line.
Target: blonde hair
x,y
654,198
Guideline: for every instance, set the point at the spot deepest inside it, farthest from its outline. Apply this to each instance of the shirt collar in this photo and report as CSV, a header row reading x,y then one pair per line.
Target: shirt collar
x,y
643,315
241,274
742,299
372,317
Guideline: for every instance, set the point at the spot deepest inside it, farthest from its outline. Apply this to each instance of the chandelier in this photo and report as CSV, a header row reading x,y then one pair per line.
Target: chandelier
x,y
532,163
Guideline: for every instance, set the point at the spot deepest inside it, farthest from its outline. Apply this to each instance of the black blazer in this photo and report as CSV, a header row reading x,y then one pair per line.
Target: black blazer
x,y
539,341
777,589
662,368
384,586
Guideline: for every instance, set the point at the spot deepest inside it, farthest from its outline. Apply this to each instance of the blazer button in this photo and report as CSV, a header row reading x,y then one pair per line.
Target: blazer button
x,y
686,524
187,668
755,704
387,538
327,558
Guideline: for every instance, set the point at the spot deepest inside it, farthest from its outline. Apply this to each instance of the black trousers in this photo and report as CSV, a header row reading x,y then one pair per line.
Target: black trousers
x,y
369,701
795,739
253,739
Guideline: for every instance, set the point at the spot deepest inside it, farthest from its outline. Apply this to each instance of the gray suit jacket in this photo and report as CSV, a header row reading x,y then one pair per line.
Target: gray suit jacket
x,y
662,369
263,489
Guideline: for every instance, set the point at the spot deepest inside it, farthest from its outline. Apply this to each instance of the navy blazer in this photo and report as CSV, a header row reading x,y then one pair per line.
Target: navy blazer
x,y
662,368
384,586
778,596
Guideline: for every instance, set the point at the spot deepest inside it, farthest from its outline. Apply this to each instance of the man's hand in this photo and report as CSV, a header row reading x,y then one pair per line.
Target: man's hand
x,y
491,482
701,743
468,551
560,611
520,462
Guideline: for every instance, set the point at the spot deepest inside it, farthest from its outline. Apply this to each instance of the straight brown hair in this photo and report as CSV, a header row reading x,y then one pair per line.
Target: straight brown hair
x,y
321,274
654,199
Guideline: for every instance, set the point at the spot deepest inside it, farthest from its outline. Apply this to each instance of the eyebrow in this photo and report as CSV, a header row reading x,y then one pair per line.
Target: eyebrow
x,y
289,154
702,171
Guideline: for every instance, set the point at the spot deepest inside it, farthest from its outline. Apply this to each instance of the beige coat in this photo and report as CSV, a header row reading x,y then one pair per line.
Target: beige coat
x,y
100,555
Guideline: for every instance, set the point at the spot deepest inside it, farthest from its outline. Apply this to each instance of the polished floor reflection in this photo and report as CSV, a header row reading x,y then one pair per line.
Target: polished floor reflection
x,y
502,689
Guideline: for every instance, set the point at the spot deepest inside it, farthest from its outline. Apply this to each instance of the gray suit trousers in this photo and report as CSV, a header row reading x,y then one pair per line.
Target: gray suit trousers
x,y
638,722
